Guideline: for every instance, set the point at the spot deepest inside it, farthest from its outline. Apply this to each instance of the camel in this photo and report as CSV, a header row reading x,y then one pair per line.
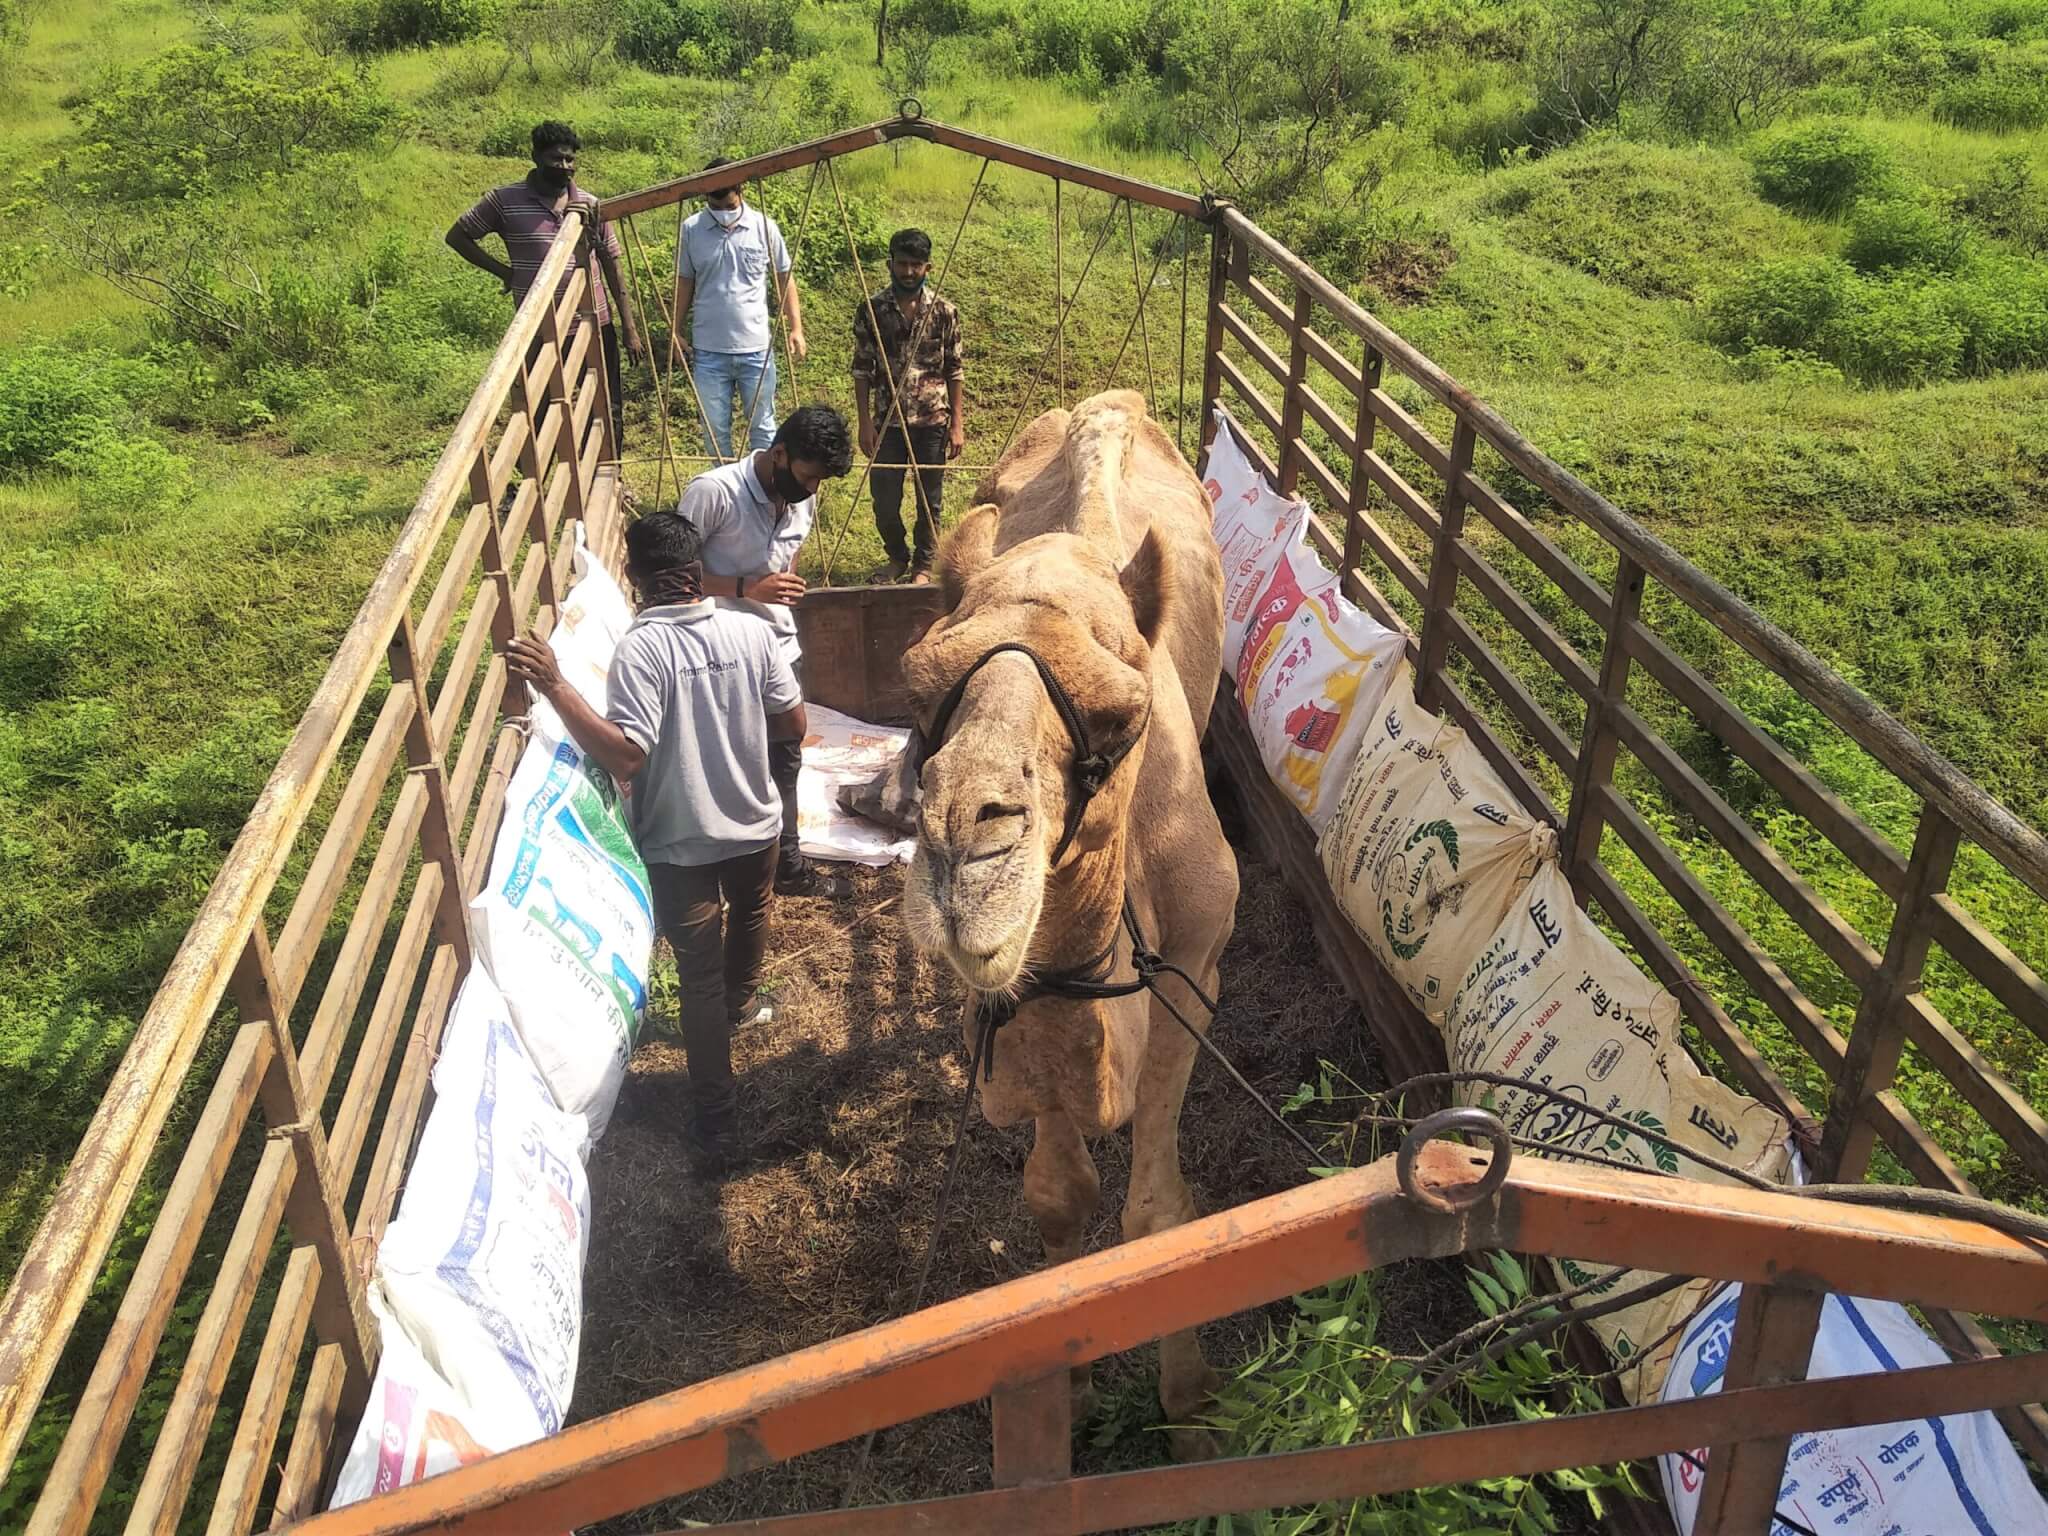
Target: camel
x,y
1093,548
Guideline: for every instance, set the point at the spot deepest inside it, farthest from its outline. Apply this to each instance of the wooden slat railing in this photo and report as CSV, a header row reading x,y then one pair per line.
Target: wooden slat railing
x,y
405,794
1424,553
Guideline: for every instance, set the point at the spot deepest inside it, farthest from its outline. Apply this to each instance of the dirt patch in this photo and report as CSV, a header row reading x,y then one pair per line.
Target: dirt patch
x,y
850,1099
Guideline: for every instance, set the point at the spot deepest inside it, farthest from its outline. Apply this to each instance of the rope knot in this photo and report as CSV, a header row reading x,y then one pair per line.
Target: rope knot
x,y
1092,772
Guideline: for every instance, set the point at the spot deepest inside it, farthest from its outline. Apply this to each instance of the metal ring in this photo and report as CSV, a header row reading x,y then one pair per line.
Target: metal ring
x,y
910,107
1457,1197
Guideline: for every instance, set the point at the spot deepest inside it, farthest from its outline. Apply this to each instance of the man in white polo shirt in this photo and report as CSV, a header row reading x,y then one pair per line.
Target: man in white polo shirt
x,y
725,254
754,515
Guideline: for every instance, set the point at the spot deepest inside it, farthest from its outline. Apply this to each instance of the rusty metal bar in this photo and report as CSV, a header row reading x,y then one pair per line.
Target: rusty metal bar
x,y
1033,1429
1165,1495
1031,1327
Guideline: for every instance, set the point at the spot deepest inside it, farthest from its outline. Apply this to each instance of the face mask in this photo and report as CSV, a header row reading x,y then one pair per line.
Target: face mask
x,y
727,216
554,176
788,489
914,286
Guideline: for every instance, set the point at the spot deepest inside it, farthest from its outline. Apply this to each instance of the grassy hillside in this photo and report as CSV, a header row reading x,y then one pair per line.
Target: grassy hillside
x,y
1801,336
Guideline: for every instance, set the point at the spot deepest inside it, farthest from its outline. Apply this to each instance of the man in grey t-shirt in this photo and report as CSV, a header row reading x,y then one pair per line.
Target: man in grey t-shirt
x,y
727,254
696,695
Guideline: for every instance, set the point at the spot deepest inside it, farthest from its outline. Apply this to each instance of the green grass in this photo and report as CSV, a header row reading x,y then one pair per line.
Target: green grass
x,y
1903,534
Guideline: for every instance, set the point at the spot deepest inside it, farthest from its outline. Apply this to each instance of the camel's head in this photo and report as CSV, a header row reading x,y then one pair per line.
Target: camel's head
x,y
1005,773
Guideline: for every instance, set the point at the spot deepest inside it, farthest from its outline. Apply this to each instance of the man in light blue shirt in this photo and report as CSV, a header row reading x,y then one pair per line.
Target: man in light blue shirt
x,y
726,256
754,515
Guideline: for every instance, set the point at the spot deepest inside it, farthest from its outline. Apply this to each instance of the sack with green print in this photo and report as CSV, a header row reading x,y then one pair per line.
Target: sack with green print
x,y
566,925
1427,848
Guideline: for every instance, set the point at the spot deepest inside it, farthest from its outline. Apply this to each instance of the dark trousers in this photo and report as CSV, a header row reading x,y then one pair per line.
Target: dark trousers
x,y
715,917
615,379
785,763
927,448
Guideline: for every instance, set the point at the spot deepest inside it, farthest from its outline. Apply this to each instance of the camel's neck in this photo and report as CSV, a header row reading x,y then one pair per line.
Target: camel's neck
x,y
1083,907
1095,463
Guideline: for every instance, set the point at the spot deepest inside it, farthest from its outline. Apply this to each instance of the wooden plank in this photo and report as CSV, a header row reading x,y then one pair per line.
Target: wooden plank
x,y
1592,599
439,842
2027,1423
356,1115
1291,397
1982,818
409,1096
298,1487
181,1438
1837,939
1386,409
1212,336
1984,955
1443,569
1364,532
1720,1032
1801,791
57,1272
248,1465
1256,403
1599,742
1532,716
1267,301
1339,367
1115,1299
697,183
1513,772
1560,653
1033,1430
2001,1105
1397,490
1325,416
1763,975
102,1412
1877,1038
1773,1339
1267,359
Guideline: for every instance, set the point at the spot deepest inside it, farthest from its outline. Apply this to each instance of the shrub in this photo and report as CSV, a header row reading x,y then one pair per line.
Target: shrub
x,y
1790,304
2003,101
53,400
1820,168
197,115
365,26
1897,333
2006,203
1138,115
51,612
1896,233
126,479
704,37
1102,40
2001,307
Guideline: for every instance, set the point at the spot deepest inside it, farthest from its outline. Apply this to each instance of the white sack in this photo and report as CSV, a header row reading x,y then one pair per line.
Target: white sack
x,y
483,1264
416,1425
840,751
1550,1000
1427,849
1952,1476
1311,677
1253,523
566,925
594,619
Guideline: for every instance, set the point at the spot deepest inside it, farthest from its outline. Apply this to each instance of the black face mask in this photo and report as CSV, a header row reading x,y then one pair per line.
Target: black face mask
x,y
553,176
788,489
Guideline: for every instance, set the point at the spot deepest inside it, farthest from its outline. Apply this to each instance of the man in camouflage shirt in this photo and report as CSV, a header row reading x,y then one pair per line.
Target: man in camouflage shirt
x,y
910,379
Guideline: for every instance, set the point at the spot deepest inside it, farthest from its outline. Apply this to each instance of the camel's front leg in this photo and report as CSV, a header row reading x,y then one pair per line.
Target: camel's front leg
x,y
1063,1189
1159,1199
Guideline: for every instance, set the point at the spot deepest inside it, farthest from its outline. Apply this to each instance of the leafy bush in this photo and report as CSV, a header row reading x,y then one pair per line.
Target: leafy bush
x,y
50,615
1790,304
364,26
193,116
126,480
2004,101
2005,202
1820,168
2001,306
1896,233
704,37
1085,40
1897,333
55,399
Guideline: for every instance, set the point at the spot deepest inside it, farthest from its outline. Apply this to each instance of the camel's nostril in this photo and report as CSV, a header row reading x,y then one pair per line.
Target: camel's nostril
x,y
997,810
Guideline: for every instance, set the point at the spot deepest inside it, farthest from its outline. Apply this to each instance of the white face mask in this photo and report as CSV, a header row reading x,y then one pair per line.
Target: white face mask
x,y
728,216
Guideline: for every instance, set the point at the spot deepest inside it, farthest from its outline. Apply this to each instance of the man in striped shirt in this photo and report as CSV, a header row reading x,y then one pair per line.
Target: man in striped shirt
x,y
526,216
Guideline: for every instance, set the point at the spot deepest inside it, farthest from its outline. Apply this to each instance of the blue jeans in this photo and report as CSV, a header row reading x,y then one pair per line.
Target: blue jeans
x,y
749,376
